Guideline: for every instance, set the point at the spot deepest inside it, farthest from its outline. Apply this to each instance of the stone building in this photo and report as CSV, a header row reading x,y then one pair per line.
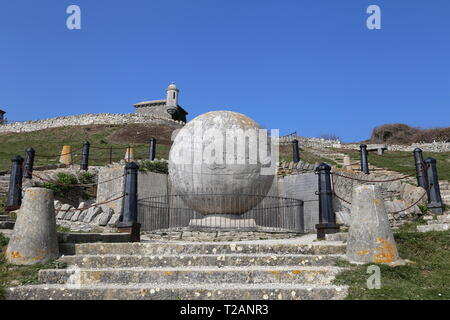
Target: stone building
x,y
168,107
2,117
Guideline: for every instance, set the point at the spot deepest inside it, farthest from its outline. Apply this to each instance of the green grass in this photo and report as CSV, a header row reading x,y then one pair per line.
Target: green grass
x,y
427,278
50,142
286,155
12,275
406,164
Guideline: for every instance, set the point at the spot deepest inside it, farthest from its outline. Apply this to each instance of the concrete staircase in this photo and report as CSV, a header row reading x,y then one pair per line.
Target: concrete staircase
x,y
297,268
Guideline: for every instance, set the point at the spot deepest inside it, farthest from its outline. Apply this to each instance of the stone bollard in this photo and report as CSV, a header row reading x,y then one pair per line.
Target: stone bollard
x,y
152,149
34,239
327,217
364,156
129,155
421,169
29,163
370,237
347,163
130,204
66,155
434,193
295,151
15,184
85,156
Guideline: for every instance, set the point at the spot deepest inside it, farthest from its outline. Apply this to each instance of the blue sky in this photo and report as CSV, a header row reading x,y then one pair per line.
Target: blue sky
x,y
309,66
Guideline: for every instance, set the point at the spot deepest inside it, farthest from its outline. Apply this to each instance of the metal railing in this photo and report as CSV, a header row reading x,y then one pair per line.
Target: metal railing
x,y
276,214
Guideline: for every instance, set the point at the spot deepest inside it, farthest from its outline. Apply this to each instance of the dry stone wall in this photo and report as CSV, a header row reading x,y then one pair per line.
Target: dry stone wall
x,y
398,195
84,120
311,142
436,146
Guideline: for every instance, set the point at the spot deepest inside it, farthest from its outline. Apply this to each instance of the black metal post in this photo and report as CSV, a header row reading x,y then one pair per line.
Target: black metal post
x,y
110,155
85,156
15,184
327,218
152,151
129,222
295,151
434,193
421,172
29,163
364,156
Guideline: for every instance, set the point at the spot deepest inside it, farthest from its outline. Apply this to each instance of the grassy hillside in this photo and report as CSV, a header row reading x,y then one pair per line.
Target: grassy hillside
x,y
48,143
403,162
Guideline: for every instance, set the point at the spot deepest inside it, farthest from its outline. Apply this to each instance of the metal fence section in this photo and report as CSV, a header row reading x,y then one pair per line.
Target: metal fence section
x,y
276,214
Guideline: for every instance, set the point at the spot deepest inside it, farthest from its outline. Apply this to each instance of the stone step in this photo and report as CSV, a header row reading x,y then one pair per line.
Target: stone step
x,y
340,236
238,260
283,246
444,218
5,218
431,222
6,232
434,227
189,275
224,291
7,225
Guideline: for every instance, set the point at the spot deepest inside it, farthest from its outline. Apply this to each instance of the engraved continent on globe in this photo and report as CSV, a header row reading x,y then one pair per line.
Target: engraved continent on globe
x,y
219,187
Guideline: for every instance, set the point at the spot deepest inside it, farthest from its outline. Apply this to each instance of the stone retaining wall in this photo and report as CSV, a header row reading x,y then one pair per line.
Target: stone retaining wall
x,y
311,142
435,146
83,120
398,195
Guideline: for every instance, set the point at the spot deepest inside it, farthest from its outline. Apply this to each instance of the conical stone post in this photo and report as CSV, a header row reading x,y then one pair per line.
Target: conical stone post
x,y
34,239
66,155
129,154
370,235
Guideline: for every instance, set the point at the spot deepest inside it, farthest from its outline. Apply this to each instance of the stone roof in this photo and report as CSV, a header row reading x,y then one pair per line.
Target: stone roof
x,y
150,103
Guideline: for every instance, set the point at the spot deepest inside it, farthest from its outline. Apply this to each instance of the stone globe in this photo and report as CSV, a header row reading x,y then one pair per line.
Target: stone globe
x,y
211,172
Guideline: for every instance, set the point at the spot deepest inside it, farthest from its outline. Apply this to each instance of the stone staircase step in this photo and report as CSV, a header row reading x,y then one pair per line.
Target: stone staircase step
x,y
340,236
434,227
7,225
444,218
5,218
178,292
188,275
238,260
283,246
432,222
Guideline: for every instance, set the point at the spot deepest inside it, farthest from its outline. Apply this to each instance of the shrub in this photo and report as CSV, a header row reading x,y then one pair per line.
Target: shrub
x,y
154,166
86,178
62,187
330,136
403,134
